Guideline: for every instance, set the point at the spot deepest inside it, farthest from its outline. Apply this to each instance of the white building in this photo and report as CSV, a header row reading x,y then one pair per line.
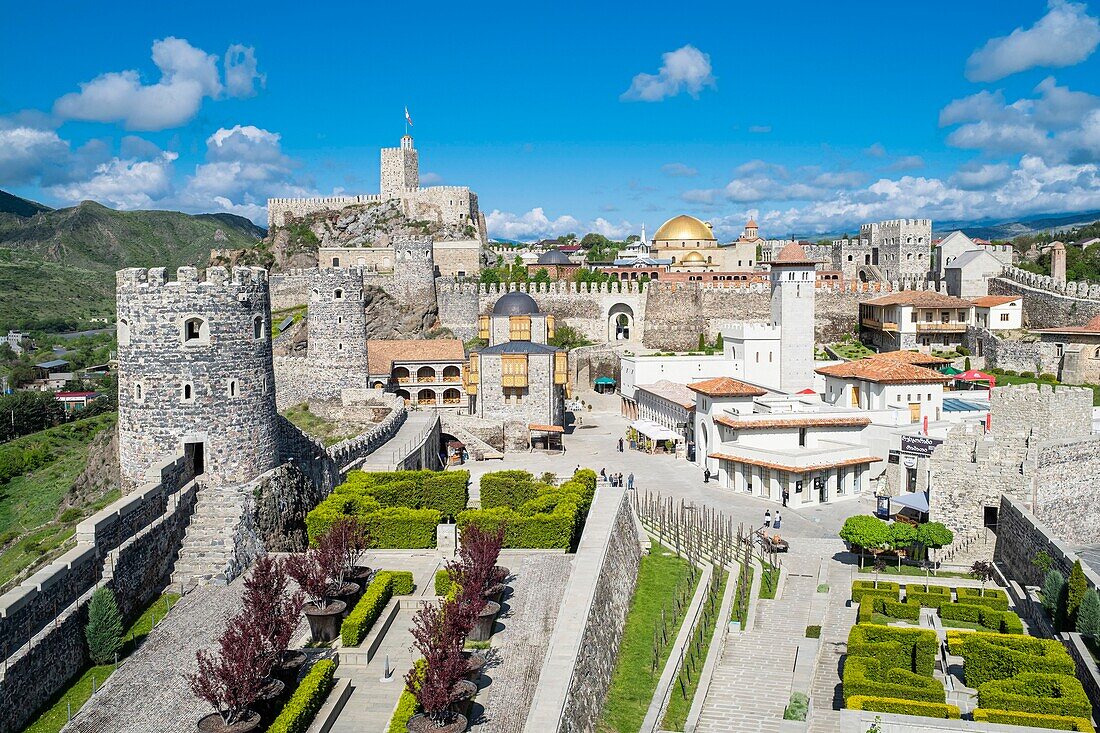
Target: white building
x,y
911,318
954,244
14,339
999,312
790,449
665,411
884,384
968,274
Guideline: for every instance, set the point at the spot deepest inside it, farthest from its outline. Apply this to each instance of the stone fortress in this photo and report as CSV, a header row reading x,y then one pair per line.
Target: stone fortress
x,y
893,250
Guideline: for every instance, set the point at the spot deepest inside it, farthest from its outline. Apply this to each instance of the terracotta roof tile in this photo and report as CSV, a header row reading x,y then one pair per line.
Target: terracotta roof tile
x,y
381,354
883,372
989,301
792,254
910,357
920,298
797,422
726,387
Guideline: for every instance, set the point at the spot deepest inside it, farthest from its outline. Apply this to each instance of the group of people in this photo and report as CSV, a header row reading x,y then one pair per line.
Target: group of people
x,y
616,479
772,522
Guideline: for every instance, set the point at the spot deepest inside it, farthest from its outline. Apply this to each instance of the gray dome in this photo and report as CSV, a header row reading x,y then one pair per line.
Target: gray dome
x,y
554,257
515,303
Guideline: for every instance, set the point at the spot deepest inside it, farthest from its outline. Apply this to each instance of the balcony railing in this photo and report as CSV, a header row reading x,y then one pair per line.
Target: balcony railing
x,y
452,378
880,325
427,379
452,400
941,327
404,380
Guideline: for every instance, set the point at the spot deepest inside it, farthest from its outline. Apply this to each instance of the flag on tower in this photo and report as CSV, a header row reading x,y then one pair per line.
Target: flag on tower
x,y
408,119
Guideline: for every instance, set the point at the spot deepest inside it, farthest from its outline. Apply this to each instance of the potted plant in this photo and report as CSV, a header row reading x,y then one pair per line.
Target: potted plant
x,y
433,683
274,610
232,680
338,550
324,615
349,538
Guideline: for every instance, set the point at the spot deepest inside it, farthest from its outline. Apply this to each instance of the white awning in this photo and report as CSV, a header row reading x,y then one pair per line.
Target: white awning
x,y
653,430
917,500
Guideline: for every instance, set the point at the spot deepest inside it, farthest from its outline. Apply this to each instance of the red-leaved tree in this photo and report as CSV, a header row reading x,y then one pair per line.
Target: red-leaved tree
x,y
310,571
341,546
270,605
232,679
432,684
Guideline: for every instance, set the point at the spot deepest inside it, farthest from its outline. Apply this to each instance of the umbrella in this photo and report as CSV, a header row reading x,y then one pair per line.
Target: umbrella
x,y
950,370
604,380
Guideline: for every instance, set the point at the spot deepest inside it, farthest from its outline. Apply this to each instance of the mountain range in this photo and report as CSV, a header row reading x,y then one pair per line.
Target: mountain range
x,y
57,266
991,229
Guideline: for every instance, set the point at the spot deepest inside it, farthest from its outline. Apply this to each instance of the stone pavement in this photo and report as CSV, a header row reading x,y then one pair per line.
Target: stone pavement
x,y
825,694
520,641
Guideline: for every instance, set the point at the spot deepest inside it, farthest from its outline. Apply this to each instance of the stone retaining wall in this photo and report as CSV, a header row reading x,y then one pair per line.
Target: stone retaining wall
x,y
1048,304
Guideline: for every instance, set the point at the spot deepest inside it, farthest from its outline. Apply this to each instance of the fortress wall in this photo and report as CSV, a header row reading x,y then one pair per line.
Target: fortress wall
x,y
1048,304
280,209
458,308
290,288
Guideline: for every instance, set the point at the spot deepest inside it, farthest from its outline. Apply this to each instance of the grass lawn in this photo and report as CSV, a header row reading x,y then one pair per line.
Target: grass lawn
x,y
687,681
851,350
30,531
298,312
79,690
914,571
661,574
769,582
326,431
949,623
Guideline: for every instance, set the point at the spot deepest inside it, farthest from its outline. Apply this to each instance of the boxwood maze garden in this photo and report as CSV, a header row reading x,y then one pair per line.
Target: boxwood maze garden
x,y
998,673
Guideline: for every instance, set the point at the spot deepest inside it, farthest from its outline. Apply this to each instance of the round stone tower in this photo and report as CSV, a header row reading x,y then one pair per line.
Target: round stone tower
x,y
195,374
336,320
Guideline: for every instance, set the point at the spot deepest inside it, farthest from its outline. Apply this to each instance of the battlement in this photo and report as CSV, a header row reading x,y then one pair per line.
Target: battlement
x,y
156,277
420,239
1041,412
564,287
1082,289
328,200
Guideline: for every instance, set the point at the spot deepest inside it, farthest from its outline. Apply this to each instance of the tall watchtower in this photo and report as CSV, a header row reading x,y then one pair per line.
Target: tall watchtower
x,y
195,374
337,326
793,282
400,170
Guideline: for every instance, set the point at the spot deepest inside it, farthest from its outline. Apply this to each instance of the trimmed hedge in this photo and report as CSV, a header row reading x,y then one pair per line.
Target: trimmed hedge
x,y
444,491
864,676
401,528
403,584
1004,622
989,656
1034,720
377,594
934,597
894,647
904,611
303,705
406,708
903,707
507,488
442,582
554,518
994,597
1046,694
861,588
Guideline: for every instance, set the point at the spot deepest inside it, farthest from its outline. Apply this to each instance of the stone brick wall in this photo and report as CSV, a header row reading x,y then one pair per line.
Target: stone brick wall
x,y
540,403
1048,304
1021,536
217,389
281,210
336,320
1026,356
1066,496
458,307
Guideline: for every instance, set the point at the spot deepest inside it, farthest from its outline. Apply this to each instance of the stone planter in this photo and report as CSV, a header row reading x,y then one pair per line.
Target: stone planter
x,y
500,574
483,622
348,593
324,623
266,702
359,574
213,723
421,723
289,664
494,592
475,662
462,694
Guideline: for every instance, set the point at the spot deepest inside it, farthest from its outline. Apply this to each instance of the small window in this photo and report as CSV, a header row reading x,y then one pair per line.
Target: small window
x,y
263,384
123,332
338,294
339,347
139,395
1004,318
258,328
188,393
231,388
195,330
335,261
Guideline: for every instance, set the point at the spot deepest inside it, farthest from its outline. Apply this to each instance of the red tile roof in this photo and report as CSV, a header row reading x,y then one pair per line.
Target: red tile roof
x,y
797,422
792,254
921,299
989,301
726,387
883,371
381,354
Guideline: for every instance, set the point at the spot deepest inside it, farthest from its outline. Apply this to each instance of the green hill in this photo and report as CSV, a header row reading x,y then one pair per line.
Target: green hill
x,y
59,265
20,207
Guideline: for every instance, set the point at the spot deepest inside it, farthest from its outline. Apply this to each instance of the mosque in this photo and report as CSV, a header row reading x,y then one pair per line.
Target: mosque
x,y
689,245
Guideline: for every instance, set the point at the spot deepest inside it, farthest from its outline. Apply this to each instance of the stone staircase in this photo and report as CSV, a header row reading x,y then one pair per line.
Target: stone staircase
x,y
969,549
208,552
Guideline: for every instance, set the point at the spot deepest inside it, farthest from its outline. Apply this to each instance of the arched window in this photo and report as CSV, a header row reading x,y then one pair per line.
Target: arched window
x,y
258,328
188,393
139,395
123,332
1096,354
338,294
232,389
195,330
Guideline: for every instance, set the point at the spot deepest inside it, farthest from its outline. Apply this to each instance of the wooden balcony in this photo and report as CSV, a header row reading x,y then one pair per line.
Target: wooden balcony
x,y
939,327
878,325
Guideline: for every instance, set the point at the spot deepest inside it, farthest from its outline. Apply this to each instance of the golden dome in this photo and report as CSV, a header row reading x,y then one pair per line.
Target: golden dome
x,y
694,257
683,227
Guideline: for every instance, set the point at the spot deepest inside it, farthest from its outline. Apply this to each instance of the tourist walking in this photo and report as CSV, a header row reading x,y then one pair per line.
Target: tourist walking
x,y
778,520
620,445
706,475
767,518
786,496
603,474
630,481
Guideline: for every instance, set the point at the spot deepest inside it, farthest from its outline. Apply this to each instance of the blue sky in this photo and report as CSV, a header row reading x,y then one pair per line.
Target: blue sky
x,y
811,116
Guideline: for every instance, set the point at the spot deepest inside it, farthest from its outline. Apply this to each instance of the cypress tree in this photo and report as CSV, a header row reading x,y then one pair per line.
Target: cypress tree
x,y
718,342
1088,615
1053,583
104,629
702,342
1074,595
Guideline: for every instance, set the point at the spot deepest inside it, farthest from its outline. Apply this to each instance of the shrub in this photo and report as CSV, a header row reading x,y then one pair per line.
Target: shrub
x,y
813,632
442,582
402,582
864,587
797,708
444,492
963,351
993,597
823,588
1033,720
104,629
401,528
1075,593
1027,375
406,708
869,677
903,707
1049,694
359,622
893,609
303,705
1088,616
1048,377
1003,622
507,488
910,649
934,597
1011,373
989,656
1053,583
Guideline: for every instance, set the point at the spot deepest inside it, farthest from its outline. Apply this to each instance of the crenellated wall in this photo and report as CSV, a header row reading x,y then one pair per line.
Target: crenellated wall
x,y
1048,303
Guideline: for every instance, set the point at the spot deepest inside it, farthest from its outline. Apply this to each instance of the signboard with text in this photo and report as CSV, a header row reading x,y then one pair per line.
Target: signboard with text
x,y
920,445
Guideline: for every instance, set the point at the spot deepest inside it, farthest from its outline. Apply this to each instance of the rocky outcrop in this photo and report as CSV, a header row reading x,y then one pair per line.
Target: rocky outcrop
x,y
280,504
100,475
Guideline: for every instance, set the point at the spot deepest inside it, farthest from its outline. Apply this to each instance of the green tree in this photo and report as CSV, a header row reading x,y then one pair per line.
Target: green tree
x,y
718,345
1075,593
1053,584
934,535
902,536
982,570
104,629
702,342
1088,615
567,337
541,276
1042,561
966,364
866,532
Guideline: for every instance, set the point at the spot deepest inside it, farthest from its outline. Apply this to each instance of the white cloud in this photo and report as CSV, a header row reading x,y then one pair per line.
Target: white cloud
x,y
26,151
429,178
610,229
685,69
678,170
241,75
981,176
531,225
876,150
187,76
907,162
1065,36
758,180
124,183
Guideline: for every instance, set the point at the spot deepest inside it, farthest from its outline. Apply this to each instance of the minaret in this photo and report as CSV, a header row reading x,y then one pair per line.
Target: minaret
x,y
793,283
643,240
